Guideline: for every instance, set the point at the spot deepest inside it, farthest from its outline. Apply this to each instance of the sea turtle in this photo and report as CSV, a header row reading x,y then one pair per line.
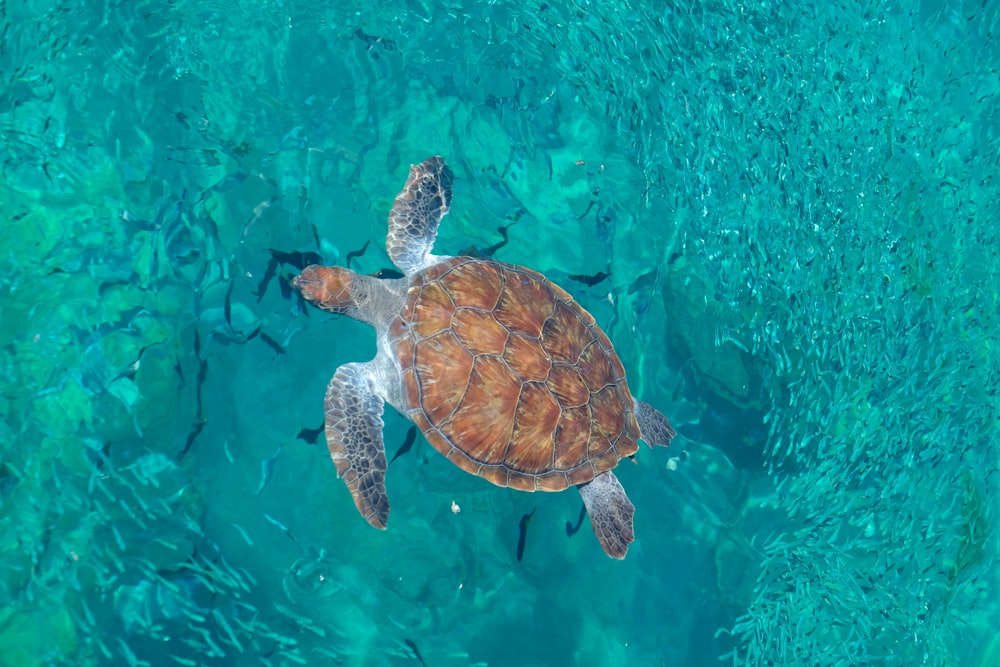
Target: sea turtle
x,y
505,374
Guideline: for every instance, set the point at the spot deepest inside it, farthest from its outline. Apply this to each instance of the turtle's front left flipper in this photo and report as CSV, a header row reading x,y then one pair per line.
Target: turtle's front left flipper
x,y
354,437
610,513
416,212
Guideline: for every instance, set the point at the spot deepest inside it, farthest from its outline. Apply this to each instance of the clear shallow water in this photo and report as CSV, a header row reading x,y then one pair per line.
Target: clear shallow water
x,y
797,210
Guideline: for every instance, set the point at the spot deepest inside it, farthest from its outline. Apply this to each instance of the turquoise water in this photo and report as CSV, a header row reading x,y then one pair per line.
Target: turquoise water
x,y
797,207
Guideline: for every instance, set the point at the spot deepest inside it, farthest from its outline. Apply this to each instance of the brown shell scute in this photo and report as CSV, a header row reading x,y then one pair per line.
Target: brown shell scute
x,y
443,386
485,418
509,378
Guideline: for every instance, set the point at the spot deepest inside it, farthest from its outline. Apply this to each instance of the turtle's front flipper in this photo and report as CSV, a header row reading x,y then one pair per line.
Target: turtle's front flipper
x,y
419,207
354,437
610,513
653,424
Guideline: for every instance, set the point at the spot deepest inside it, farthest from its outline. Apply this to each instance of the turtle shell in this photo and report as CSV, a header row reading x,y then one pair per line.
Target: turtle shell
x,y
509,378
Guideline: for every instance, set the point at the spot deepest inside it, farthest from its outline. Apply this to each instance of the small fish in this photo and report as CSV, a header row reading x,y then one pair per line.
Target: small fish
x,y
301,621
412,645
310,435
243,534
411,437
299,260
269,272
281,526
206,581
285,285
246,574
169,585
236,576
165,543
215,651
590,281
102,646
220,619
89,615
193,615
227,307
271,343
296,259
589,208
196,428
357,253
372,41
128,654
266,469
491,250
81,624
645,280
387,274
267,633
522,534
570,528
194,643
294,656
202,374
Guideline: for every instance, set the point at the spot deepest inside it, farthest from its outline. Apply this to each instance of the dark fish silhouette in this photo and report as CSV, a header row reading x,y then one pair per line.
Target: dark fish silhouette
x,y
407,445
357,253
200,420
522,534
570,528
296,259
412,645
489,251
271,343
590,281
388,274
310,435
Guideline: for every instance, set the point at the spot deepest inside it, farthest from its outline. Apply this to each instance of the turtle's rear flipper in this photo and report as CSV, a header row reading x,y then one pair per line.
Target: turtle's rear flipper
x,y
610,513
653,424
354,437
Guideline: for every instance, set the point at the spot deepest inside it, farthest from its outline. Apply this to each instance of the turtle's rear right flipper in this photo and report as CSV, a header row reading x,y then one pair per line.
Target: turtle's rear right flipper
x,y
610,513
354,437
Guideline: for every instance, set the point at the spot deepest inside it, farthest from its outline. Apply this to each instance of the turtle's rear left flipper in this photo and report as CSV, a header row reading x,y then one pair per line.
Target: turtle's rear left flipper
x,y
610,513
354,437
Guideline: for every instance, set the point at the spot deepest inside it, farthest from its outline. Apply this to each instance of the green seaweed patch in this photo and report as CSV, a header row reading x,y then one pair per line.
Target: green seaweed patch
x,y
35,311
65,412
78,297
30,634
170,300
157,378
119,299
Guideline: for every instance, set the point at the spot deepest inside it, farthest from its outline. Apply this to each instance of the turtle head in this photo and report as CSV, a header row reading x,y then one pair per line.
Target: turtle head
x,y
328,287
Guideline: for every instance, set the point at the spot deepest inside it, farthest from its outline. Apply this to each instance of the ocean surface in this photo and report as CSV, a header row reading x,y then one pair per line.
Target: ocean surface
x,y
783,214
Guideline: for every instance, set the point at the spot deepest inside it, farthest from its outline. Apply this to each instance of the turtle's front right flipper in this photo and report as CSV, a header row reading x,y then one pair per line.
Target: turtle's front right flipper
x,y
354,437
654,425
